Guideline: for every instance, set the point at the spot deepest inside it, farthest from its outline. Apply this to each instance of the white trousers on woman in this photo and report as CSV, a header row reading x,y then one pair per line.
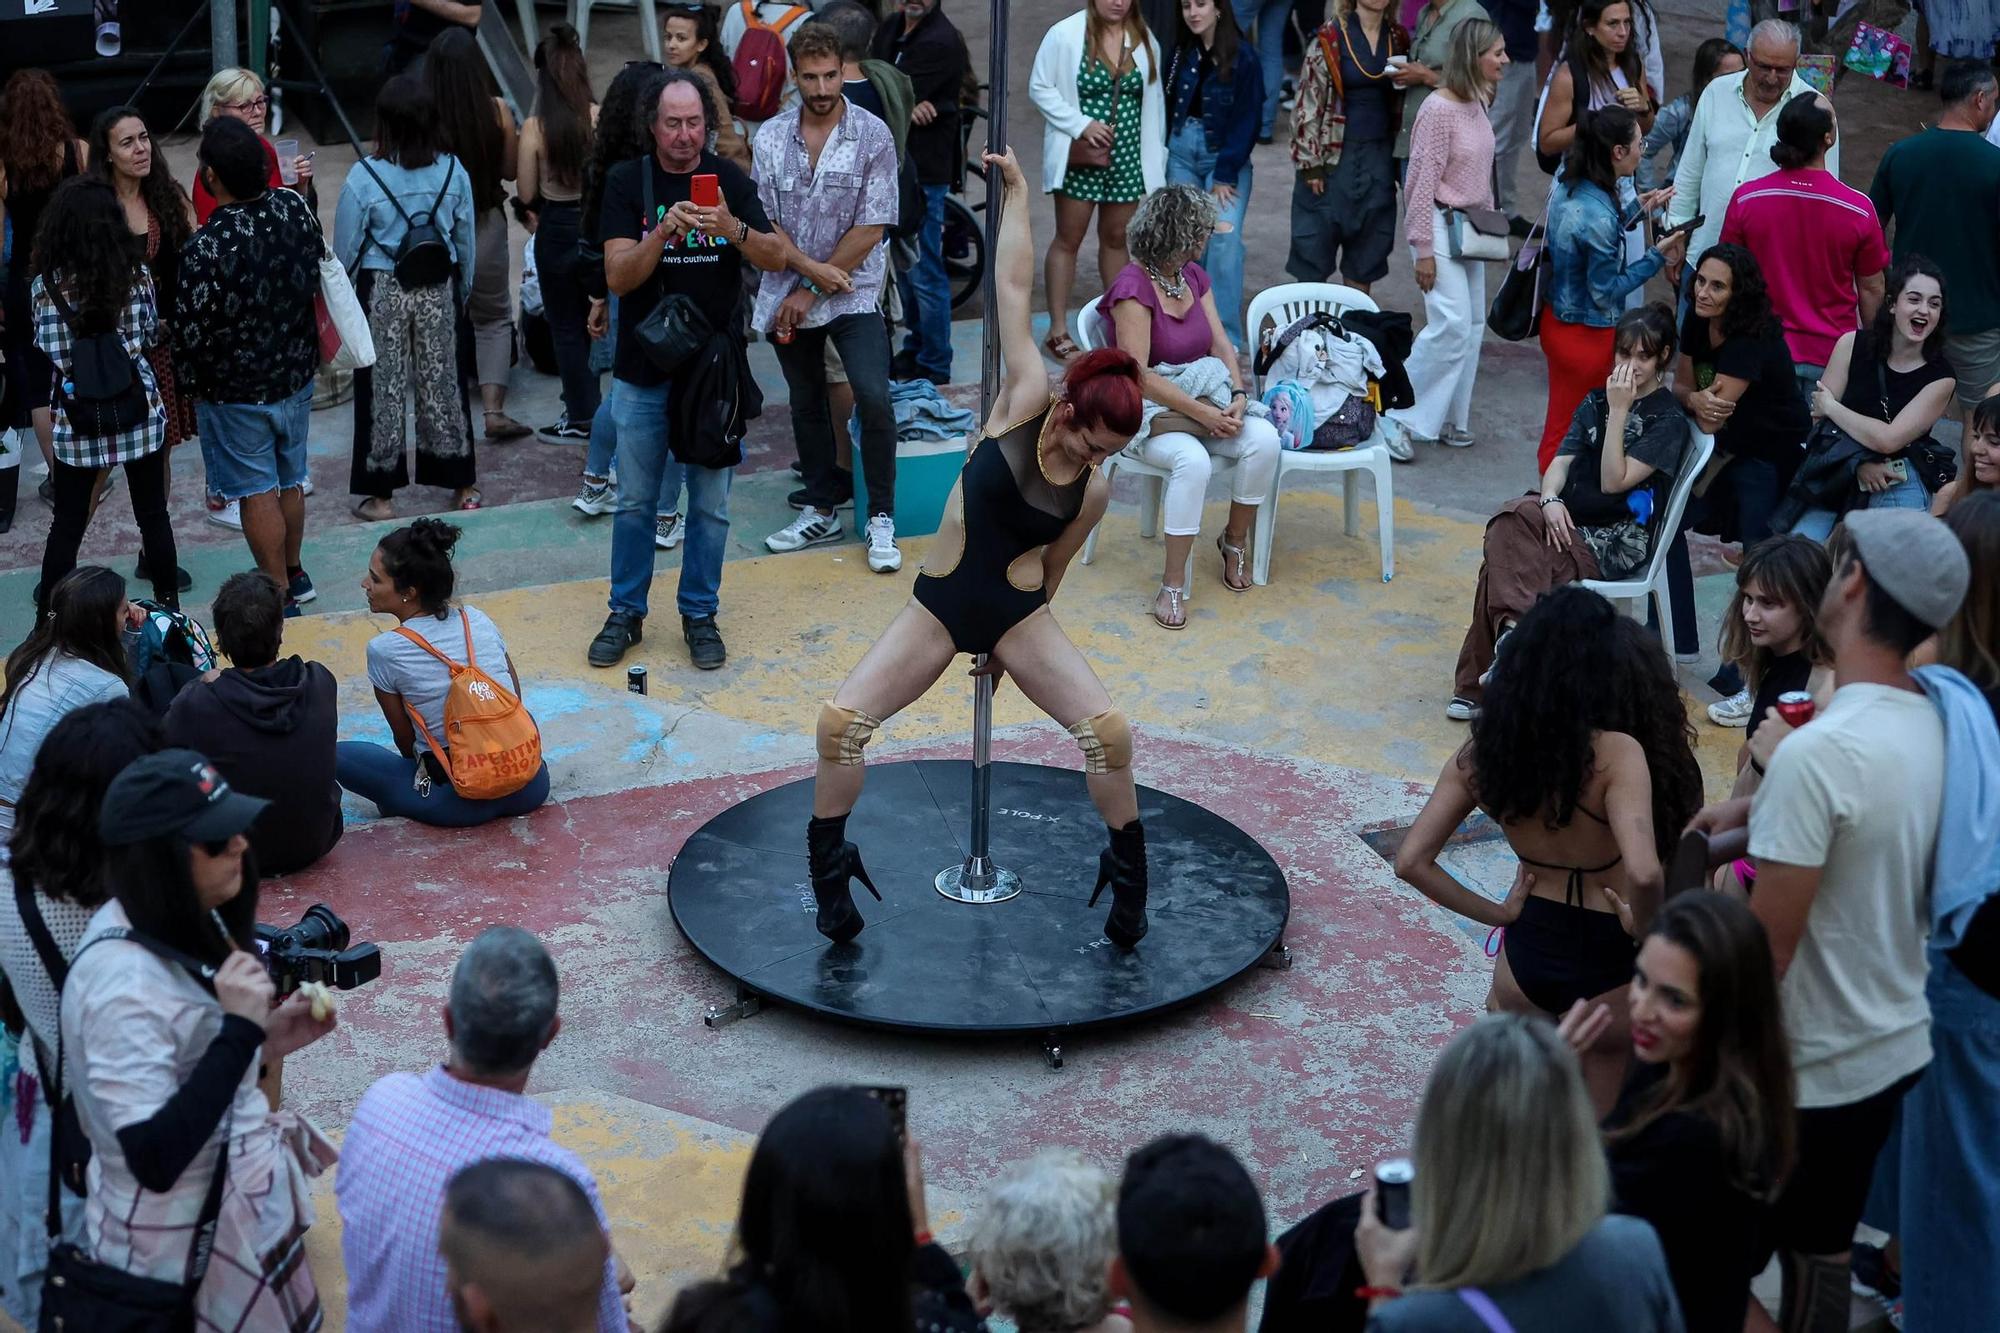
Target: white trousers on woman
x,y
1187,459
1445,360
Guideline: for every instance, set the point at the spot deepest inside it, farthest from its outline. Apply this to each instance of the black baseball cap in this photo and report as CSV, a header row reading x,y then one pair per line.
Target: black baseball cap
x,y
174,791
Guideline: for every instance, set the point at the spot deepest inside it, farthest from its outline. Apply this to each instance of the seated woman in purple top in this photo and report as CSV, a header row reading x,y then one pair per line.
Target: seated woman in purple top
x,y
1159,308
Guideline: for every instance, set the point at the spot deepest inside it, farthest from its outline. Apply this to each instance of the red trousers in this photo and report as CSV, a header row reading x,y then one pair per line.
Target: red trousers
x,y
1579,358
1519,569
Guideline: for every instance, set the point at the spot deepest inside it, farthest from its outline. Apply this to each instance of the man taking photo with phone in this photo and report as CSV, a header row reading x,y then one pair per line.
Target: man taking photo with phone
x,y
680,222
826,174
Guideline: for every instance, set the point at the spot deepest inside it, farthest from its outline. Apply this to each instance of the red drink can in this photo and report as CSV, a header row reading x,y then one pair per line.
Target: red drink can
x,y
781,335
1795,707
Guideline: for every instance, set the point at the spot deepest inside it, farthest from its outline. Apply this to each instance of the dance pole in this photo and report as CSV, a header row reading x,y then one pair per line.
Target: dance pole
x,y
977,879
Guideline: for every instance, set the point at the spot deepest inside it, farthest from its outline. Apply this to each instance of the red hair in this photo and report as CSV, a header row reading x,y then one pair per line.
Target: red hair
x,y
1103,391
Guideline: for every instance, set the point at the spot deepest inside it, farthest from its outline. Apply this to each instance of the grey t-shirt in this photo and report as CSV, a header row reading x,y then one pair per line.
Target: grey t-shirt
x,y
59,686
1616,1278
397,666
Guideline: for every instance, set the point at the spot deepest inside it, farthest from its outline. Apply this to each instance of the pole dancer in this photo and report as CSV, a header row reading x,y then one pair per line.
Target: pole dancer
x,y
1028,496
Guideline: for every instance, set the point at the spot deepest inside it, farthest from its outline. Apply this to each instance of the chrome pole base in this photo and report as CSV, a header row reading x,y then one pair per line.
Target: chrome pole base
x,y
978,881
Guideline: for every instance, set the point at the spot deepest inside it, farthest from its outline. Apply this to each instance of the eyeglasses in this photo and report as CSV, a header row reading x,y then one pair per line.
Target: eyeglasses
x,y
257,103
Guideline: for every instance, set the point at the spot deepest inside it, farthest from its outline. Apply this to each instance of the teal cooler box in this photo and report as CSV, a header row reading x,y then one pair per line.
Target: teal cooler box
x,y
926,470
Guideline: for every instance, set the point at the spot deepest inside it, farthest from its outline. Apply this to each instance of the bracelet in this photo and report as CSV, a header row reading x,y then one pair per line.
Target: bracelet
x,y
1754,764
1239,393
924,1238
1377,1293
1548,500
742,230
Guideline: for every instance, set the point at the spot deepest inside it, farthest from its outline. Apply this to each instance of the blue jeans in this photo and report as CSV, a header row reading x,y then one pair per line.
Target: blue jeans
x,y
639,413
1190,162
603,447
1755,489
1269,17
254,448
1906,494
927,292
377,773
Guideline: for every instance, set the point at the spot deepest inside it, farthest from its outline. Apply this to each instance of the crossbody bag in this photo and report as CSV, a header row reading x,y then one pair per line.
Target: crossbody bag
x,y
1082,154
80,1293
675,328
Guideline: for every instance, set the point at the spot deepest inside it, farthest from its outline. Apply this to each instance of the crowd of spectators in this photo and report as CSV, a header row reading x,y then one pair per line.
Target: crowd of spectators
x,y
1682,1078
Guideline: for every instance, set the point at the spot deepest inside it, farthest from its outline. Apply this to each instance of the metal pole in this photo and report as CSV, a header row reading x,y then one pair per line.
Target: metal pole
x,y
978,880
221,34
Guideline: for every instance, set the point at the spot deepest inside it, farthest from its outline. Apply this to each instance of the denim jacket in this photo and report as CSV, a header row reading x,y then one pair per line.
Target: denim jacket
x,y
1230,112
1588,276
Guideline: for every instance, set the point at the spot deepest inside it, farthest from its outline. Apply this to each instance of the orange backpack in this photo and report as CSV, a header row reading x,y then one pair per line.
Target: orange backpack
x,y
495,748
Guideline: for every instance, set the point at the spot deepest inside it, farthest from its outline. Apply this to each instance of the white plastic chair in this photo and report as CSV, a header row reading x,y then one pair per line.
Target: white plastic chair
x,y
1653,583
1283,304
1152,480
579,18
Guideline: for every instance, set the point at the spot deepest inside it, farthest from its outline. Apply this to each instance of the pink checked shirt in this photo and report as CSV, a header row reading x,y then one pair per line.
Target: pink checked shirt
x,y
410,1135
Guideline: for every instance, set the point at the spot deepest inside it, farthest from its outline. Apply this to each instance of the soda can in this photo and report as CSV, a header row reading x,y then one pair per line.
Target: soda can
x,y
1795,707
1392,1192
635,679
781,335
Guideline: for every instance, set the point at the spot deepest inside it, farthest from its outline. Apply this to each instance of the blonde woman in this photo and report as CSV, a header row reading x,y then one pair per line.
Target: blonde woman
x,y
1451,169
1042,1248
1097,83
1507,1211
240,94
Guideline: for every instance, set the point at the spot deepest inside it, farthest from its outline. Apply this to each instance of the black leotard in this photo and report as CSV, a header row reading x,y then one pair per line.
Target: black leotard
x,y
1006,508
1564,952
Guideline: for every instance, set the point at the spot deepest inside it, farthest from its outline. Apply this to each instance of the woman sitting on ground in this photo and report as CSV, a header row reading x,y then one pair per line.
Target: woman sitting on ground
x,y
834,1234
1888,401
1703,1132
162,1046
1160,309
410,577
1979,470
57,863
1771,633
1041,1251
1625,438
1581,753
1507,1209
74,655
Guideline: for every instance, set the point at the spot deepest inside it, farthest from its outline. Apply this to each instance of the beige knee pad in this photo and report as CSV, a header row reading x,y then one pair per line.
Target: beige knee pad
x,y
1106,741
842,733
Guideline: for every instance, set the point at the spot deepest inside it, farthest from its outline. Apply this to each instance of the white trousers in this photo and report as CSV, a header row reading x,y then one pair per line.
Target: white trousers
x,y
1445,360
1187,457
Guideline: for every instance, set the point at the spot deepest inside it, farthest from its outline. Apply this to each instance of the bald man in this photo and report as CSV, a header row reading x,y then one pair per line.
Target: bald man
x,y
523,1249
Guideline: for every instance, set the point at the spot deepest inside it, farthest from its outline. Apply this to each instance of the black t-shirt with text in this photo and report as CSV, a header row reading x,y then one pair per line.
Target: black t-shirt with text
x,y
1771,420
707,269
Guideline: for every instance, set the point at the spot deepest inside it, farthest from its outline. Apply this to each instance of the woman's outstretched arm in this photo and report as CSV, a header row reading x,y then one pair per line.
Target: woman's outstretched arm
x,y
1024,379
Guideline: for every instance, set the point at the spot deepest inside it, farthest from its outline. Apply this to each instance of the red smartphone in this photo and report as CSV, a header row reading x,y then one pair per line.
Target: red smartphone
x,y
705,191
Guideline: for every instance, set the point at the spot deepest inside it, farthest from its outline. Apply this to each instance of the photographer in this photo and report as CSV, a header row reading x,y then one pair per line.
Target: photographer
x,y
56,885
158,1059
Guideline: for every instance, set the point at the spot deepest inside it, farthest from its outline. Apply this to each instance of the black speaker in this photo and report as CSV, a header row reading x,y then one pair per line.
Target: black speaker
x,y
346,38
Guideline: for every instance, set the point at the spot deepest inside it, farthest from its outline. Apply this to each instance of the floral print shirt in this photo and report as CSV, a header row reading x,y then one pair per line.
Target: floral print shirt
x,y
244,325
854,185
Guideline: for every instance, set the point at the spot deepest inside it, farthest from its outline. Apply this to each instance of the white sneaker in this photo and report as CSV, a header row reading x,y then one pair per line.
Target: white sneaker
x,y
228,516
810,528
594,498
1734,711
884,557
1398,437
668,531
1460,710
306,486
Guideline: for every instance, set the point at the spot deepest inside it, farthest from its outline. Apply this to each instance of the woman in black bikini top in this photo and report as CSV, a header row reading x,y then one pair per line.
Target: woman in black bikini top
x,y
1028,496
1581,718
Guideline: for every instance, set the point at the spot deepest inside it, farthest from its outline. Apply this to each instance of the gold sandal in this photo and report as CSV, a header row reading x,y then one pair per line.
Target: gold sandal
x,y
1176,606
1235,553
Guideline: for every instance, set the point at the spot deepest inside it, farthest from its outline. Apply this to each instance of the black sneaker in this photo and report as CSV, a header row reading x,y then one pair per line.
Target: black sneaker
x,y
903,366
704,642
564,431
300,586
843,489
143,573
1519,226
621,633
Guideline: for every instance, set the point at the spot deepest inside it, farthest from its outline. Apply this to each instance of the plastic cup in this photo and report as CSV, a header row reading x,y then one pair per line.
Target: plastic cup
x,y
288,160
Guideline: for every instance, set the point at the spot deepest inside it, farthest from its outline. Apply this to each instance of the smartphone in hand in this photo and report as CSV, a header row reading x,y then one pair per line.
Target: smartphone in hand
x,y
705,191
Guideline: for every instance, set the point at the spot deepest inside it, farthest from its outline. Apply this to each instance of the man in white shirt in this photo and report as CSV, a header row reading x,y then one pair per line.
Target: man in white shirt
x,y
1734,126
1843,831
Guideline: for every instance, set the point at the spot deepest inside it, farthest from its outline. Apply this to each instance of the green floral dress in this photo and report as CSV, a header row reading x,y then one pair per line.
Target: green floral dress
x,y
1124,181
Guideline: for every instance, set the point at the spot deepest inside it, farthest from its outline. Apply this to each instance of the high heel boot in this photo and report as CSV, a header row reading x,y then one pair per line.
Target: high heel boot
x,y
1122,865
833,862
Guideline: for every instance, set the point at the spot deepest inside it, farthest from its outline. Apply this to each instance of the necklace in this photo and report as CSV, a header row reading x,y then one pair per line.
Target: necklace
x,y
1174,288
1361,44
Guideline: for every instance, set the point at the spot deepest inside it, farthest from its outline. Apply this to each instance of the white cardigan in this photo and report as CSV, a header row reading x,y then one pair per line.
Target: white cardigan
x,y
1052,88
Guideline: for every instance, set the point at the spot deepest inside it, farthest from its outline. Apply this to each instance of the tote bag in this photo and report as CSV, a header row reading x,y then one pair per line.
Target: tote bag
x,y
344,340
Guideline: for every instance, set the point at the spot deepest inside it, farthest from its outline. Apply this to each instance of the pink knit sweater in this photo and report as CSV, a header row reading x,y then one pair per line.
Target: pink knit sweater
x,y
1451,164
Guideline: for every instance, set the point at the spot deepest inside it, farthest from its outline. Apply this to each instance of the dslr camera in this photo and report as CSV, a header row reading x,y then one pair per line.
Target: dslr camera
x,y
316,949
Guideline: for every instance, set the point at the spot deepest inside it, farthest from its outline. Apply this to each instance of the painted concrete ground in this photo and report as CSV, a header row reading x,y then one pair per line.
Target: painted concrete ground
x,y
1309,712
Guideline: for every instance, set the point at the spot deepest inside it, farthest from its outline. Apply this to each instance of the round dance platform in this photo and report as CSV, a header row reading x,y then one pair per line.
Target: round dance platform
x,y
740,893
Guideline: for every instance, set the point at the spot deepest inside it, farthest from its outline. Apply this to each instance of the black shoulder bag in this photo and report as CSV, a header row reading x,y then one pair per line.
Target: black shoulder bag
x,y
675,328
103,394
81,1293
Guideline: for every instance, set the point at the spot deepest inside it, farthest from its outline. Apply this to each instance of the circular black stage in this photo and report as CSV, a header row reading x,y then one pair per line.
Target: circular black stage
x,y
1040,962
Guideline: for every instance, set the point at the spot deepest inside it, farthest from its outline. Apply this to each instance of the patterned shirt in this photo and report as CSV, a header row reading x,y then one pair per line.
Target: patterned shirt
x,y
853,186
138,329
244,324
411,1134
